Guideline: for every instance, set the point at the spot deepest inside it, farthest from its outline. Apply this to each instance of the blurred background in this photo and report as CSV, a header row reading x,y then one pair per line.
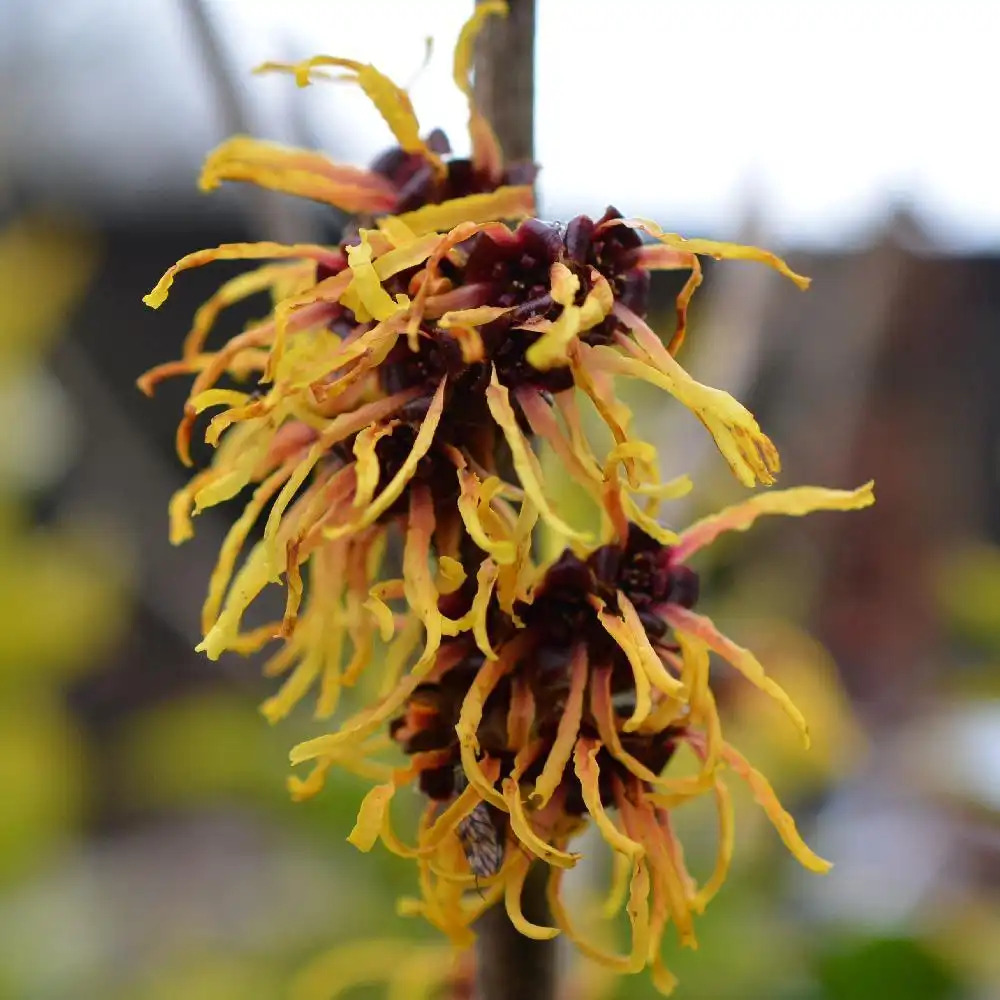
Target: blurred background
x,y
148,849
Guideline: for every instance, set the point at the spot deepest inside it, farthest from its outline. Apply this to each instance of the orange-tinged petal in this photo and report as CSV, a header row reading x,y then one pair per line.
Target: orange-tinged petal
x,y
579,464
683,304
750,453
585,765
664,258
720,251
508,202
793,502
513,887
299,172
768,801
622,634
394,488
521,714
238,251
703,628
640,821
526,834
567,731
390,100
486,154
525,462
236,290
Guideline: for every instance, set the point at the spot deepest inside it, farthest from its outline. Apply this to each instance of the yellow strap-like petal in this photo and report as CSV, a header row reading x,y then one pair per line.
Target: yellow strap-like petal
x,y
486,154
719,251
585,765
768,801
513,887
525,462
526,834
795,502
390,100
509,202
237,251
566,732
394,489
300,172
703,628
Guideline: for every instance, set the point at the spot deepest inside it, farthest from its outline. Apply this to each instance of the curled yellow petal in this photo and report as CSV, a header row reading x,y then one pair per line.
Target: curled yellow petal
x,y
585,765
382,613
567,731
236,290
470,715
782,821
394,489
473,498
703,628
637,909
513,887
509,202
750,453
390,100
418,582
651,663
793,502
552,348
526,834
237,251
724,851
525,462
366,467
719,251
300,172
622,634
370,815
366,288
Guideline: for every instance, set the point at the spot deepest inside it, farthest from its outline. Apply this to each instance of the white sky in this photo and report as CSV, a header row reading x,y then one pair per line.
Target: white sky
x,y
823,115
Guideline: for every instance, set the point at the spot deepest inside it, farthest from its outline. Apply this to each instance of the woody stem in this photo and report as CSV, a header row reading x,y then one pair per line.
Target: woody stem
x,y
510,966
505,78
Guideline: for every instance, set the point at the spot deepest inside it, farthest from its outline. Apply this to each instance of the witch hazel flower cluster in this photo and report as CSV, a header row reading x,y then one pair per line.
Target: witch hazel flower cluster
x,y
385,420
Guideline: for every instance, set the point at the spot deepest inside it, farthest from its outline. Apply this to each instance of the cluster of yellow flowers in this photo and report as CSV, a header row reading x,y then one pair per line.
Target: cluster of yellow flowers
x,y
402,384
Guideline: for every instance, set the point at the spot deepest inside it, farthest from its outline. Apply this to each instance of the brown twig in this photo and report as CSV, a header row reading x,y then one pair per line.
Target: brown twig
x,y
509,965
505,78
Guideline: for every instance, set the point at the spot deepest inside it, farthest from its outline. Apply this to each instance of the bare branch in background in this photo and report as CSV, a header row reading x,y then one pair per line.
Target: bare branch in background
x,y
268,213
